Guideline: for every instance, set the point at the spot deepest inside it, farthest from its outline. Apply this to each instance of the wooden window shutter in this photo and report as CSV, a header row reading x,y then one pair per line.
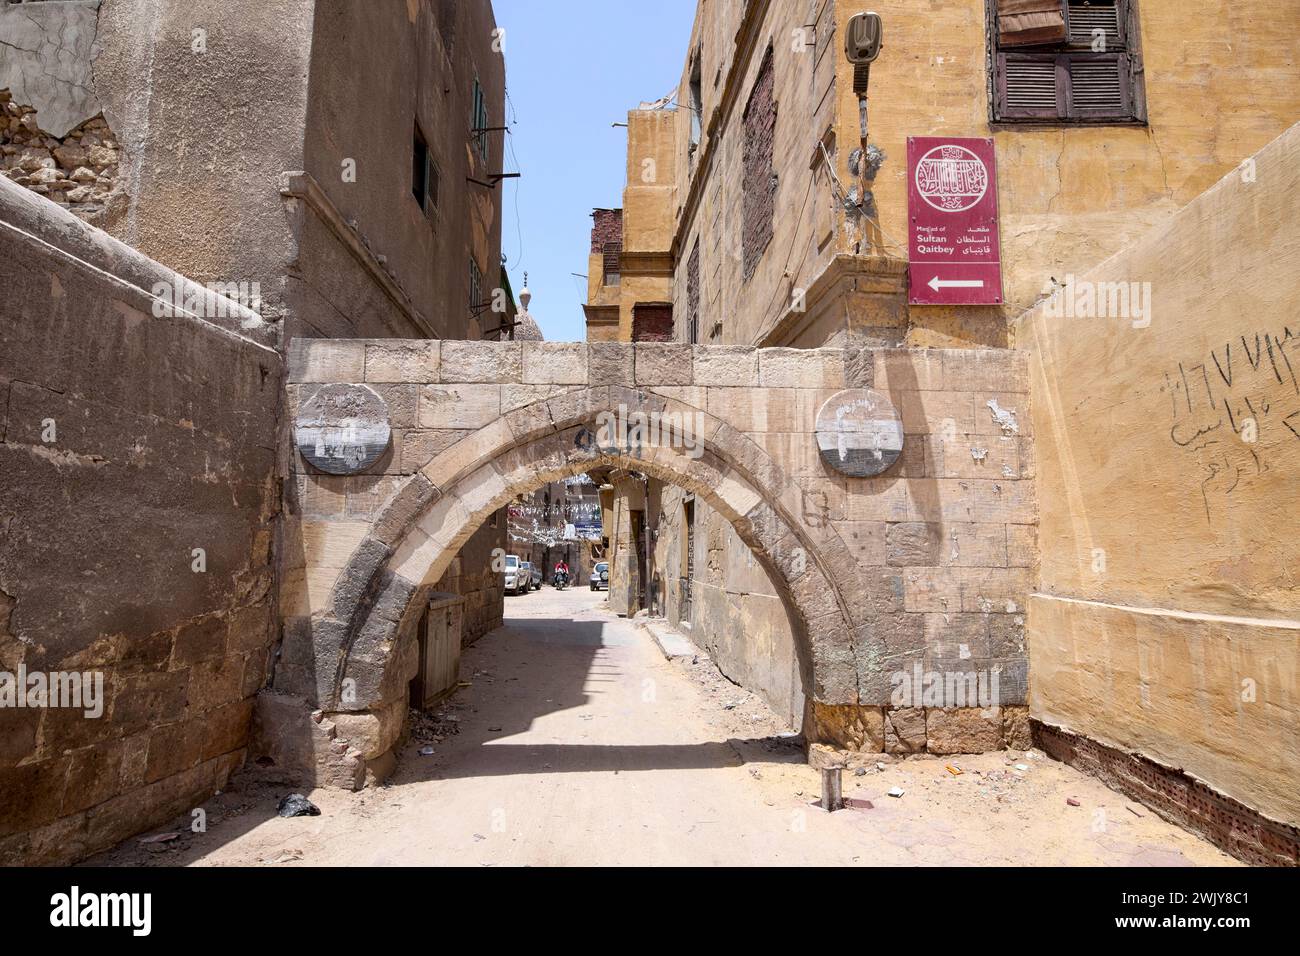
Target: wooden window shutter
x,y
1085,20
1099,87
1032,22
1030,87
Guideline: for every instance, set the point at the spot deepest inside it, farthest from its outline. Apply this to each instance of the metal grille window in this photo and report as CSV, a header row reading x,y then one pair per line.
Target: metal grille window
x,y
693,295
1066,61
696,104
612,253
759,170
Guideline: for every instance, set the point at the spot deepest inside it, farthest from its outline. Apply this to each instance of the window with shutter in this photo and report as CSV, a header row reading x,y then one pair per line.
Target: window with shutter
x,y
612,253
1089,71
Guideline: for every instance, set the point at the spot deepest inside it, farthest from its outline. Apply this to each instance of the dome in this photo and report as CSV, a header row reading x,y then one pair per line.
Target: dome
x,y
527,329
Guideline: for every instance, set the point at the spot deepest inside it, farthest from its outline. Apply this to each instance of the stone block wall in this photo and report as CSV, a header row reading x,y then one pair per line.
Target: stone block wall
x,y
909,588
139,462
943,543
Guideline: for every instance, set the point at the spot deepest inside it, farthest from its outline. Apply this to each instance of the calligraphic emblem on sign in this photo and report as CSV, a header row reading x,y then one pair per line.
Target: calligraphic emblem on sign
x,y
951,178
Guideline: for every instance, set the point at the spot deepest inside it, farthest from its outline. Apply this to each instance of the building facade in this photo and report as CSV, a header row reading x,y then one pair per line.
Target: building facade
x,y
326,169
768,205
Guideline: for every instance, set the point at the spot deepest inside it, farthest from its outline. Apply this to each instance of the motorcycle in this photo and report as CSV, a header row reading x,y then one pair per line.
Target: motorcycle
x,y
561,580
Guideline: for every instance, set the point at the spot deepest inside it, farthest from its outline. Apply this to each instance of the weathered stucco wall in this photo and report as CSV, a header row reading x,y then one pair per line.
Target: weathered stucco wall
x,y
710,180
128,441
1218,87
209,104
420,61
1166,618
734,614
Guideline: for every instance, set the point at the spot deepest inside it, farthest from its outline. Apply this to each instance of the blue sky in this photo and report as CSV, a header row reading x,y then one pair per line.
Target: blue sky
x,y
570,75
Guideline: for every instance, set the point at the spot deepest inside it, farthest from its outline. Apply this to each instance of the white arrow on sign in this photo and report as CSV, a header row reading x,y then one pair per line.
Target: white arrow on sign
x,y
936,283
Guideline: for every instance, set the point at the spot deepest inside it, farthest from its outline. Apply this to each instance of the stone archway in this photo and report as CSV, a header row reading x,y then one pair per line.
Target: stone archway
x,y
377,598
500,419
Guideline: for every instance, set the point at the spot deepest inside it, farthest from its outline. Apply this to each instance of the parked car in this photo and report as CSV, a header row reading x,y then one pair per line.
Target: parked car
x,y
517,577
600,576
532,577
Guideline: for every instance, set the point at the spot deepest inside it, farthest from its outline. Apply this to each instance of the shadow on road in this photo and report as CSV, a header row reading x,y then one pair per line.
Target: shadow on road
x,y
540,667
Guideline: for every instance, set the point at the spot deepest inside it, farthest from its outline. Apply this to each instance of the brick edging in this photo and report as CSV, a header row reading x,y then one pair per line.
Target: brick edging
x,y
1176,796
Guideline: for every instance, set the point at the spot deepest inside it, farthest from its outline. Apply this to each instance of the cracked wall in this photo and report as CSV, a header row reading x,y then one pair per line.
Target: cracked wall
x,y
46,62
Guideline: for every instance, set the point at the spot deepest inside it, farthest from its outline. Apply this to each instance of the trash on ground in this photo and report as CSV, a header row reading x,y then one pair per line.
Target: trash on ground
x,y
286,856
160,838
296,805
1073,801
896,791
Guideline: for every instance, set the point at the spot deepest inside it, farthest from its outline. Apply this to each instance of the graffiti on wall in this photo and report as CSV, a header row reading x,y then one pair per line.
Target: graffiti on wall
x,y
1233,409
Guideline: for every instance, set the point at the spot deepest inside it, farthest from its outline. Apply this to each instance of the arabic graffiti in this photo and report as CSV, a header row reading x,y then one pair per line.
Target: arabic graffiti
x,y
1230,408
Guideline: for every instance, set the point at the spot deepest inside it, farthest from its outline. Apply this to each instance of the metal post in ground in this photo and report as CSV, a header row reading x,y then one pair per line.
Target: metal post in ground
x,y
832,789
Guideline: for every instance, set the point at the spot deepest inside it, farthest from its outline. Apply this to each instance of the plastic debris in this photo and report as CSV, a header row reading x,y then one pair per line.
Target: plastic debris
x,y
1073,801
296,805
896,791
955,771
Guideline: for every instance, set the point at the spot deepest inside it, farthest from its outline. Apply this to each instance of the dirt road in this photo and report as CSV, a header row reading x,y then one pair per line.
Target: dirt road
x,y
578,743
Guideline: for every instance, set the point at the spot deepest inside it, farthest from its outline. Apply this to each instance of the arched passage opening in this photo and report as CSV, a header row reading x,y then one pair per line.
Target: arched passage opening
x,y
365,648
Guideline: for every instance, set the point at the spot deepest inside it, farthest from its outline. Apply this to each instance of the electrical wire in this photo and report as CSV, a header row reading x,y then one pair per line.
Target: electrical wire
x,y
514,162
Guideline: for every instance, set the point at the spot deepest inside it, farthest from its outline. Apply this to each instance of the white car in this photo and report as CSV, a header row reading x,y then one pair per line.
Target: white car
x,y
600,576
518,580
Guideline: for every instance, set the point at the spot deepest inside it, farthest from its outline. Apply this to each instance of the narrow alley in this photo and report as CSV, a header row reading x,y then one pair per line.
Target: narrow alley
x,y
577,742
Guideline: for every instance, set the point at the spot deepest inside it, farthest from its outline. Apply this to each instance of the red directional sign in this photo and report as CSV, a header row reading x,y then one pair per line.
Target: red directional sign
x,y
952,211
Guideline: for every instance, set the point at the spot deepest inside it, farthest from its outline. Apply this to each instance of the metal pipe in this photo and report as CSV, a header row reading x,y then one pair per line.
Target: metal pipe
x,y
832,789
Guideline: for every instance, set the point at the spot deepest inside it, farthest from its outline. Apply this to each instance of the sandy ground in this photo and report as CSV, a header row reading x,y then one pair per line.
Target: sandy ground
x,y
578,743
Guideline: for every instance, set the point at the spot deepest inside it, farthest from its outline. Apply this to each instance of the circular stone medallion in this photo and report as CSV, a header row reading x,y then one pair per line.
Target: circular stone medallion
x,y
342,429
859,432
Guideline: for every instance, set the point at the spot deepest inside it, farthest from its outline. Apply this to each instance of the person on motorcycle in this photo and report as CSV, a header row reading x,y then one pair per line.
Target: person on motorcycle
x,y
561,577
